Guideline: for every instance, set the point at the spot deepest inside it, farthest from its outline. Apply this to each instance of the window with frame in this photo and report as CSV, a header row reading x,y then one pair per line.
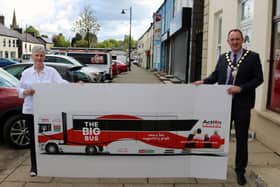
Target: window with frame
x,y
13,54
274,84
219,21
6,54
4,42
246,21
246,9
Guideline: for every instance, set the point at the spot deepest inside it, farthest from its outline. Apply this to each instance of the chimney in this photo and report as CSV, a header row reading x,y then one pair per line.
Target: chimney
x,y
18,30
2,19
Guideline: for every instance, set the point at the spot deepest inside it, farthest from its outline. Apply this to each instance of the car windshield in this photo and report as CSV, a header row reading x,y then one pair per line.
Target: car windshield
x,y
75,62
62,59
7,80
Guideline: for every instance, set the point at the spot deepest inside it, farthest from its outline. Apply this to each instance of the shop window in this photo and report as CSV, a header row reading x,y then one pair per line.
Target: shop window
x,y
274,92
277,3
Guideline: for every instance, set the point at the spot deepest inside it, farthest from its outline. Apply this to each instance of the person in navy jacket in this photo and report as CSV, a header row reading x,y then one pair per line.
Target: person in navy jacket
x,y
242,70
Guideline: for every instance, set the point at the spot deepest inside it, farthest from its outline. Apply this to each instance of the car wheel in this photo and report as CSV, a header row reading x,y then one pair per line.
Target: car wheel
x,y
100,149
119,71
16,133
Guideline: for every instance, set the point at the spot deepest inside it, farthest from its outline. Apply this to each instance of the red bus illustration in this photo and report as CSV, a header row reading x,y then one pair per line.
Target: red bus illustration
x,y
120,134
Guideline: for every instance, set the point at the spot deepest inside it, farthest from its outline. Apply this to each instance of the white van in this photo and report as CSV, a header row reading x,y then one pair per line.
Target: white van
x,y
98,58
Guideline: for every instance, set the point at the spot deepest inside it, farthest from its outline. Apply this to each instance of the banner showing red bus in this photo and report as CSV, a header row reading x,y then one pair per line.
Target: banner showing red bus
x,y
124,134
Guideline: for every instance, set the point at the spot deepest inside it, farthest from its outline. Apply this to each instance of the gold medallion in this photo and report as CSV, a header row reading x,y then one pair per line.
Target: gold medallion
x,y
234,73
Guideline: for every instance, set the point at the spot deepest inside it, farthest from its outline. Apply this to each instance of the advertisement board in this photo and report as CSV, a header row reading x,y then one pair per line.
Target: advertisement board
x,y
131,130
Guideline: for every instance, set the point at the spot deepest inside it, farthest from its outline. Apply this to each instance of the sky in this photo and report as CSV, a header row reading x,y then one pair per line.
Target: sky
x,y
58,16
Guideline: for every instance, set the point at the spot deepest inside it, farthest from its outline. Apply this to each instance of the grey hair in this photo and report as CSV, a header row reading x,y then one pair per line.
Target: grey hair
x,y
38,49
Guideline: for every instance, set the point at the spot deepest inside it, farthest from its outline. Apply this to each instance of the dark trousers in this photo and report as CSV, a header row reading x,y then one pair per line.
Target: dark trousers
x,y
29,120
241,119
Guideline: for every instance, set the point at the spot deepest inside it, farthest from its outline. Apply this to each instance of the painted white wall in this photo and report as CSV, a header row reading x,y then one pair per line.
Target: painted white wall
x,y
230,21
264,122
7,48
29,47
144,44
261,41
261,36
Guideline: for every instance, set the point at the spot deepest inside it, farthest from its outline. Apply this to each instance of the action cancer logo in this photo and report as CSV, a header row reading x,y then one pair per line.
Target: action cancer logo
x,y
212,124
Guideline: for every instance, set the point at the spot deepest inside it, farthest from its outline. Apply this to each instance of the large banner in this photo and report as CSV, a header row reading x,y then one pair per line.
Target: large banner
x,y
132,130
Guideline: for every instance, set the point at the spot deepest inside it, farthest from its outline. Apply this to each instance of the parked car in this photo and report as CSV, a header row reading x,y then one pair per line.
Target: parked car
x,y
135,62
115,70
96,74
12,124
122,67
25,58
69,72
6,62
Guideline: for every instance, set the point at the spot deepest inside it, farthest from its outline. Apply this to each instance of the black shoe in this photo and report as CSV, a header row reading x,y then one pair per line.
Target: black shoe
x,y
33,174
241,180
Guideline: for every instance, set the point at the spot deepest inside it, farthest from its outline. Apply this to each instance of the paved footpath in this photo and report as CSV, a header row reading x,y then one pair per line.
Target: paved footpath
x,y
263,170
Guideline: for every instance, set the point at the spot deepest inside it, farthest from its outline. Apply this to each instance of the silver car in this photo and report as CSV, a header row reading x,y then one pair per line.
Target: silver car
x,y
96,74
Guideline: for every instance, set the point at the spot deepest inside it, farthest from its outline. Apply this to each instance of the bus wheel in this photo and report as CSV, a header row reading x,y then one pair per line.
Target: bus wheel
x,y
51,148
91,150
100,148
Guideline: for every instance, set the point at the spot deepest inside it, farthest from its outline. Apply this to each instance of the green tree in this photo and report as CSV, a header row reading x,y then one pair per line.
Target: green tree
x,y
126,42
111,43
59,41
87,25
91,38
81,43
76,39
32,30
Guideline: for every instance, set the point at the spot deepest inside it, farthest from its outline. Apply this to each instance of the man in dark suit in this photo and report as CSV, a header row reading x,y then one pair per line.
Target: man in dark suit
x,y
241,69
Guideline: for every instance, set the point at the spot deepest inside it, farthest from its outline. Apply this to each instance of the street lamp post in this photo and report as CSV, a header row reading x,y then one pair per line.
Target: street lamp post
x,y
129,39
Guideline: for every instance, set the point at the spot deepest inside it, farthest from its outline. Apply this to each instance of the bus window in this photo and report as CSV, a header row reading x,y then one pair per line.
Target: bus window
x,y
44,127
89,58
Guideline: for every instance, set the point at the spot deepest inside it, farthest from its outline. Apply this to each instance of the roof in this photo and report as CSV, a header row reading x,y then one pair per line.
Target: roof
x,y
45,40
4,31
31,39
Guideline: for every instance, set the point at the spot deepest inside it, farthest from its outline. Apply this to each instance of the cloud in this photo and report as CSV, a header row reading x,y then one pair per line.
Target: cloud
x,y
58,16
